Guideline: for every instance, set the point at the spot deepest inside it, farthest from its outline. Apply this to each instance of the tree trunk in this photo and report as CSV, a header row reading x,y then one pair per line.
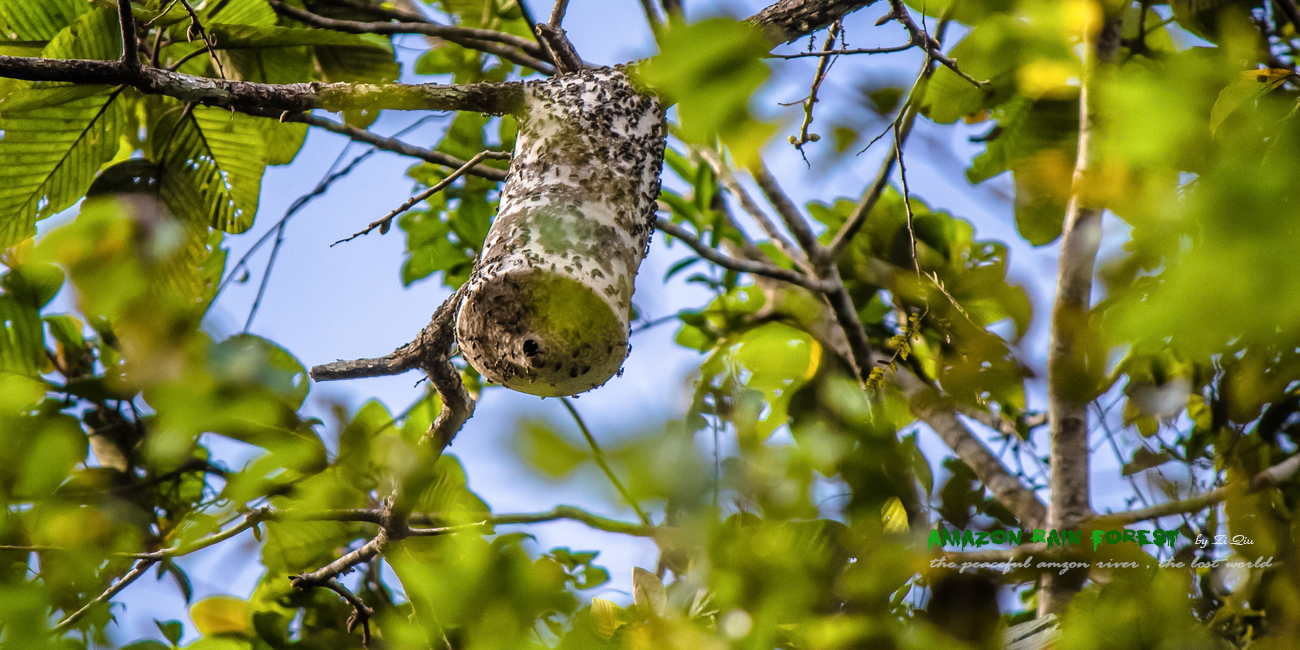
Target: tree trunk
x,y
546,309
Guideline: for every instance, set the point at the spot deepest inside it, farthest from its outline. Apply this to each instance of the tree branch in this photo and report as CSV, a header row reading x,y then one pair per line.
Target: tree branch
x,y
929,405
1271,477
392,144
1067,389
430,351
787,20
507,46
778,239
488,98
599,456
122,583
130,41
385,223
743,266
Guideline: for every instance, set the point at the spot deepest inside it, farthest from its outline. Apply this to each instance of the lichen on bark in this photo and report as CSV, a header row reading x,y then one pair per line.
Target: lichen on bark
x,y
546,309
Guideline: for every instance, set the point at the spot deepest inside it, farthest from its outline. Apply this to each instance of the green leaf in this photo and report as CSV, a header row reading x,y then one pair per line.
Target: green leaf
x,y
711,69
22,349
147,644
256,13
548,451
33,284
1144,459
247,358
1250,86
221,615
171,630
49,155
212,167
39,20
1037,141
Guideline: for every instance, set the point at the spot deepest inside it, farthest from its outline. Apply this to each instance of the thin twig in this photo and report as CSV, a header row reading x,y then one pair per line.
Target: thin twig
x,y
823,67
122,583
856,50
509,47
210,44
743,266
266,275
130,40
385,223
321,187
360,612
557,12
729,182
907,117
599,456
923,39
397,146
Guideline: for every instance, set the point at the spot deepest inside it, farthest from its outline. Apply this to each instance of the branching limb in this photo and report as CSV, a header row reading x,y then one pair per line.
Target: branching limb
x,y
488,98
599,456
561,49
823,67
769,228
743,266
385,223
902,128
856,50
122,583
360,612
507,46
430,351
1271,477
929,405
922,39
562,512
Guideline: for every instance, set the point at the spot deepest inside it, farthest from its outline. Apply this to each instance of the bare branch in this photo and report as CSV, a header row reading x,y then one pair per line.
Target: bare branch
x,y
1067,393
397,146
557,12
130,41
856,50
769,228
929,405
488,98
1271,477
360,612
430,351
562,52
599,456
385,223
742,266
561,512
507,46
903,128
122,583
823,67
920,38
787,20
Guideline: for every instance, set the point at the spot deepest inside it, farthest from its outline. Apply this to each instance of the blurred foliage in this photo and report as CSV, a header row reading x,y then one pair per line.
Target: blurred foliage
x,y
795,500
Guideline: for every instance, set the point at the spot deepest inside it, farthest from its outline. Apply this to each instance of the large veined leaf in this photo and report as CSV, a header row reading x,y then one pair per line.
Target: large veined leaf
x,y
31,20
57,137
239,12
212,163
49,157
